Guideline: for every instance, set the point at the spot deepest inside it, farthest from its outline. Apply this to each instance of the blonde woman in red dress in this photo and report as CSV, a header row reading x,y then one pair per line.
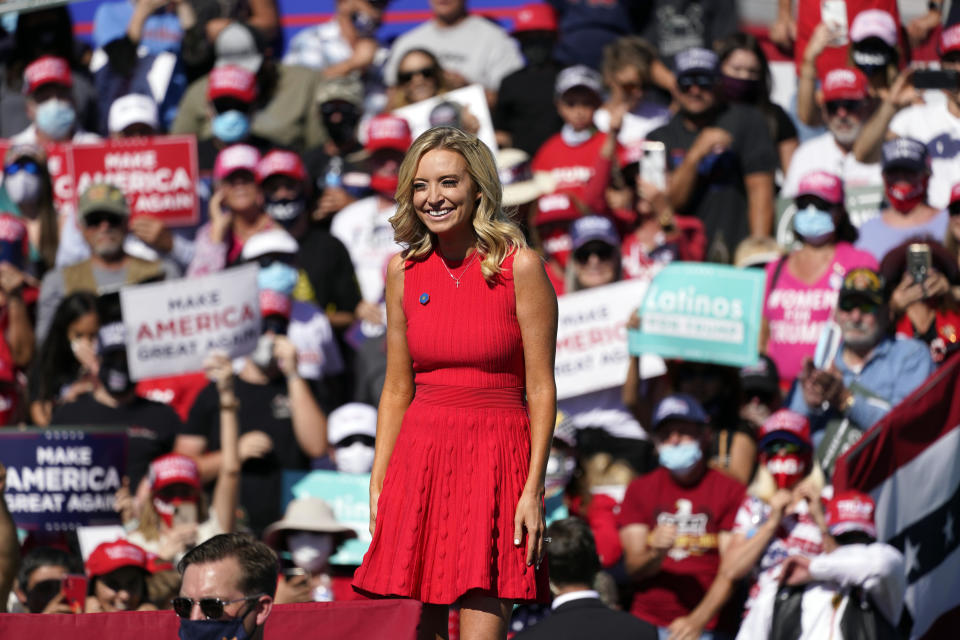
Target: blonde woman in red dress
x,y
469,402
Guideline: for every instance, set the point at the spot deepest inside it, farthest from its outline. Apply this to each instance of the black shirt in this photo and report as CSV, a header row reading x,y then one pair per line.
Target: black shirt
x,y
525,107
719,196
151,427
330,271
262,408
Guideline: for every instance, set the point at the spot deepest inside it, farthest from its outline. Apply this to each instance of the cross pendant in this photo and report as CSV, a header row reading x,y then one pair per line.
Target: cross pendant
x,y
458,283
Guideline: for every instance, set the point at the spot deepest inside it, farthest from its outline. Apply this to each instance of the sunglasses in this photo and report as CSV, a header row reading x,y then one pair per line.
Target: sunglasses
x,y
782,447
954,209
269,258
428,73
173,492
96,218
602,250
222,105
211,608
865,306
131,583
701,81
29,166
850,106
355,438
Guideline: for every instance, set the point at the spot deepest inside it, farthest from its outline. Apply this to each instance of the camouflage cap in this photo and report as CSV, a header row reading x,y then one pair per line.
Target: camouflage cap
x,y
103,197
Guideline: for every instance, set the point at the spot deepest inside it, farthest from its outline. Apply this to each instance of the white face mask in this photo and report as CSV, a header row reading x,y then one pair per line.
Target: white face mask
x,y
357,458
309,550
22,187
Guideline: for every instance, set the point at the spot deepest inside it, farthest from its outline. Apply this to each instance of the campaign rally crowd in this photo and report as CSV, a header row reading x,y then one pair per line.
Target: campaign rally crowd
x,y
690,500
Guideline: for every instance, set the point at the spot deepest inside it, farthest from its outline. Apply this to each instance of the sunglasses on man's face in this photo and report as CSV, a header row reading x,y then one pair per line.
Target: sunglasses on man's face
x,y
865,306
428,73
850,106
782,447
96,218
211,608
602,250
954,209
17,166
701,81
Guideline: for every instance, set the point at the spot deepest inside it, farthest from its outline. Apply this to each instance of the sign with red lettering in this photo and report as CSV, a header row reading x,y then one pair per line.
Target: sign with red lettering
x,y
592,339
158,174
172,326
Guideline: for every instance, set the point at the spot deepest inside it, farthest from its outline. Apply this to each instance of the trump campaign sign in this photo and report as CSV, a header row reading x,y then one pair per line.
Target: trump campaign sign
x,y
592,339
59,479
158,175
702,312
172,326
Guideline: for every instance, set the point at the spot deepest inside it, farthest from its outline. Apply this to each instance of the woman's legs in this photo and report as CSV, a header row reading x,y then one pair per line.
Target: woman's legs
x,y
484,617
434,622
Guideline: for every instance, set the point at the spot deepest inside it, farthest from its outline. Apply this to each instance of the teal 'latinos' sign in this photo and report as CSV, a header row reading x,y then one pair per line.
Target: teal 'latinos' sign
x,y
348,494
703,312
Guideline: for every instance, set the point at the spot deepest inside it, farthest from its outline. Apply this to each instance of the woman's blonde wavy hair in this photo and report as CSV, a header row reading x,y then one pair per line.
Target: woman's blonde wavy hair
x,y
497,235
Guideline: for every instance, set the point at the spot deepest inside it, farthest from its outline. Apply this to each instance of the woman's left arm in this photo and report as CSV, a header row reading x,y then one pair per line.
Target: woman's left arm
x,y
537,316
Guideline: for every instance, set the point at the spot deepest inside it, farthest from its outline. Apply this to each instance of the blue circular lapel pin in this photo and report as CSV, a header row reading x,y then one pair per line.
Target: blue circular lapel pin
x,y
424,298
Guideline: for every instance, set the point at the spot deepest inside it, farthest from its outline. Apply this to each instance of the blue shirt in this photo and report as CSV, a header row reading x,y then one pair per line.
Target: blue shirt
x,y
161,31
892,371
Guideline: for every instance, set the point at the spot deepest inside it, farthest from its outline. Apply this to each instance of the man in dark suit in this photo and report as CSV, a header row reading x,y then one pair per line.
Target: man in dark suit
x,y
577,612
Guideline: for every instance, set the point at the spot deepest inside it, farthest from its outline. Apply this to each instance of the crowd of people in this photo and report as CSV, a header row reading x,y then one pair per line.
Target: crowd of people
x,y
699,500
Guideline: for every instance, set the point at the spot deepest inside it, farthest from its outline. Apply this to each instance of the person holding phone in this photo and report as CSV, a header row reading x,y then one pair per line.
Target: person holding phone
x,y
935,123
169,515
39,585
921,275
118,578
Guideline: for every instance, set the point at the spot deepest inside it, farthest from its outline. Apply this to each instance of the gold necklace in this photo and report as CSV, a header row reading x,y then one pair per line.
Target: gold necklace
x,y
462,273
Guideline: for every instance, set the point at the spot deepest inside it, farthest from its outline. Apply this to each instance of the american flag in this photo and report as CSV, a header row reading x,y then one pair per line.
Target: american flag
x,y
909,463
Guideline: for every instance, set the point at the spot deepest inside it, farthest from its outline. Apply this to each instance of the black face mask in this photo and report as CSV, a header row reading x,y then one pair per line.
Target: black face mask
x,y
344,130
872,58
537,51
286,211
115,375
739,89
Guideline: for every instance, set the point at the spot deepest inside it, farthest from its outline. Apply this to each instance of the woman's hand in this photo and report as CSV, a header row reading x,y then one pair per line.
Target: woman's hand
x,y
125,503
819,40
220,217
176,540
530,518
286,355
219,369
374,498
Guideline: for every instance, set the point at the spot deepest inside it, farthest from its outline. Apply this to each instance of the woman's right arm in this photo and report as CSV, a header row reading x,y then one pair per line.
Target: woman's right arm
x,y
397,385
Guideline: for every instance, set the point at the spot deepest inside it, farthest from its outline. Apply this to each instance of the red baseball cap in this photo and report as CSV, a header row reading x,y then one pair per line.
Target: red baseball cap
x,y
237,157
174,468
111,556
388,132
46,70
282,163
823,185
955,194
785,425
535,17
950,39
232,82
556,207
851,511
844,84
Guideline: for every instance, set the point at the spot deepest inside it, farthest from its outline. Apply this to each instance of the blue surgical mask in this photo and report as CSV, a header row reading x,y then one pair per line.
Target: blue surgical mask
x,y
231,126
56,118
814,225
278,277
212,629
680,458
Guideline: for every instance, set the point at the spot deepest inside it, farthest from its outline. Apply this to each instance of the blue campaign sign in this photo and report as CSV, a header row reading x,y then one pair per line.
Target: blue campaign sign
x,y
703,312
348,494
59,479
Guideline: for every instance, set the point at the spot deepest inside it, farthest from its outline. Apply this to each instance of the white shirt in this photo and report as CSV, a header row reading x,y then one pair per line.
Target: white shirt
x,y
574,595
637,124
822,153
876,568
318,47
936,127
476,48
364,228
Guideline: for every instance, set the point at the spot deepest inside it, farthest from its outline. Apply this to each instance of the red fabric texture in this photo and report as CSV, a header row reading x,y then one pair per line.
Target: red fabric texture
x,y
445,515
602,518
571,167
808,17
700,513
177,391
343,620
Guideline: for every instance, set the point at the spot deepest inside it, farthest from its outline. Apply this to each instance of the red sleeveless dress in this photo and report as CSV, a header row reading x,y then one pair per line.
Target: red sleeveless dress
x,y
445,514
